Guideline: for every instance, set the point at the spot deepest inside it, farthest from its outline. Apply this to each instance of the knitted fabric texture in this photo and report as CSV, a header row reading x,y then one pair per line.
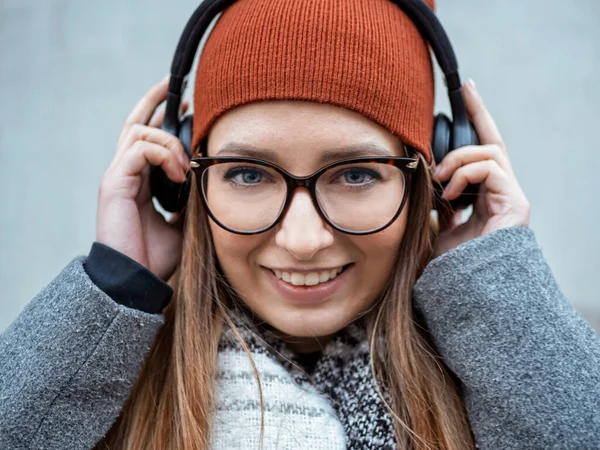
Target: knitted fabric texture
x,y
363,55
336,406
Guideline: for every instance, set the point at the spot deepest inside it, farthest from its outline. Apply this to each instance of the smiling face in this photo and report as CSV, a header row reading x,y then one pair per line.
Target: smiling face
x,y
289,275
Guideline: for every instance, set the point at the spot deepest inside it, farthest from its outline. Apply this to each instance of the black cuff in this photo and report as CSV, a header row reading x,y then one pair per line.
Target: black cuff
x,y
125,280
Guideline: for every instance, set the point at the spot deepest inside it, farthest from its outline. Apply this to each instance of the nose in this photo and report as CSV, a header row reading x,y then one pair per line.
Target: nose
x,y
302,231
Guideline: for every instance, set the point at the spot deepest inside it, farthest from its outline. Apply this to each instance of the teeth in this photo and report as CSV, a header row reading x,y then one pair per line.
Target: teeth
x,y
309,279
297,279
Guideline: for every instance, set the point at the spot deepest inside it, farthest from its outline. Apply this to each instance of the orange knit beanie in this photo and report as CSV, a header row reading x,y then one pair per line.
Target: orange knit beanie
x,y
364,55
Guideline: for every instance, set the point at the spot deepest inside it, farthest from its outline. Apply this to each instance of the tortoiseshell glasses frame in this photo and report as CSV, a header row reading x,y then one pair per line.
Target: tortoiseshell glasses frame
x,y
406,165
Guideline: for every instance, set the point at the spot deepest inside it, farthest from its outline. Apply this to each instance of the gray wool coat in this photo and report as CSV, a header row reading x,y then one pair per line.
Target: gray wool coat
x,y
528,363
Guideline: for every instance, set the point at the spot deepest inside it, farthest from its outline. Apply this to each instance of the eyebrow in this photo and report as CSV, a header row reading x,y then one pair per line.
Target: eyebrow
x,y
349,151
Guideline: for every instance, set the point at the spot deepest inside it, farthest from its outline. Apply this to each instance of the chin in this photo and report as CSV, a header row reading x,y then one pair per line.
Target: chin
x,y
306,322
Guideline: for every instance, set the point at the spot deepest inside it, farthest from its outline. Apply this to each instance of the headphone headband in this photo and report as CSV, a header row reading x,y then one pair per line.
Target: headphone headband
x,y
184,57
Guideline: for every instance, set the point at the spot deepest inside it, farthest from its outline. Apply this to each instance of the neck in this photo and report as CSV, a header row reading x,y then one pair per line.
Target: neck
x,y
302,344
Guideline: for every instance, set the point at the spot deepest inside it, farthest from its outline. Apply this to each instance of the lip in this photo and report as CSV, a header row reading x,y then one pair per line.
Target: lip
x,y
305,271
308,294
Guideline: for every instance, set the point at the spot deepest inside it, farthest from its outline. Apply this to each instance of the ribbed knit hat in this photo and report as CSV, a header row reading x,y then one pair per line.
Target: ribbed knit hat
x,y
364,55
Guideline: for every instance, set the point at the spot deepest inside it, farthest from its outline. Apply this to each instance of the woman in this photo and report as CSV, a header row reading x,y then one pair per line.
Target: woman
x,y
345,319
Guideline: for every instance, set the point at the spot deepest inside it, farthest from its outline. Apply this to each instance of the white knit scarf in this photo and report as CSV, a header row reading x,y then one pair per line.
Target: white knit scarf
x,y
336,406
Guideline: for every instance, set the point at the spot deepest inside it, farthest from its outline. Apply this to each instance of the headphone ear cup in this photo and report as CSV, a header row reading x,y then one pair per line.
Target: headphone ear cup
x,y
440,142
447,137
474,135
173,196
462,135
185,133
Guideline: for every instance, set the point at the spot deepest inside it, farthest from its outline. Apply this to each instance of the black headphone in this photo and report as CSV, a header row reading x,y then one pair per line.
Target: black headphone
x,y
448,134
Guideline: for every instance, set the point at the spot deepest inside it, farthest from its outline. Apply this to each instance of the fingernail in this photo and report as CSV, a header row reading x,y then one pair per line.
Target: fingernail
x,y
437,170
472,84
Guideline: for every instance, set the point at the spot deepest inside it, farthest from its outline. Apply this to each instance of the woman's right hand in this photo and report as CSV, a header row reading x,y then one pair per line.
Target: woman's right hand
x,y
127,220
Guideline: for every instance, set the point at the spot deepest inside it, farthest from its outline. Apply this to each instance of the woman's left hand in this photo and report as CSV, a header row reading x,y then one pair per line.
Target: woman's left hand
x,y
501,202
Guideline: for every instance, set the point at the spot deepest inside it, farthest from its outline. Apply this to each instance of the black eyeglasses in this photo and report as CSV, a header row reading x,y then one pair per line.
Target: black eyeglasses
x,y
356,195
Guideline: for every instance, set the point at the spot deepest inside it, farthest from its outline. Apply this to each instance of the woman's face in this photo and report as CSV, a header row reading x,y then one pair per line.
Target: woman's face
x,y
297,135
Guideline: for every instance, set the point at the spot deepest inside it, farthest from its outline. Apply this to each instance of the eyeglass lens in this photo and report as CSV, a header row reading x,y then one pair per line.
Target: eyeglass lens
x,y
357,197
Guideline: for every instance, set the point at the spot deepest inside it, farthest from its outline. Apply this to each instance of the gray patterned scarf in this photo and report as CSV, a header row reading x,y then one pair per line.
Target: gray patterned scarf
x,y
342,373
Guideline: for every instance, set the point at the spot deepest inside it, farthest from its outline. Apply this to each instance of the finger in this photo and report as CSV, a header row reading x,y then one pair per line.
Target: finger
x,y
144,153
470,154
156,136
157,118
159,115
488,172
144,109
482,120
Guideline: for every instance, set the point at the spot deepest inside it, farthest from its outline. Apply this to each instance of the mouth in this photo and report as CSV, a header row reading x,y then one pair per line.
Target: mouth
x,y
307,288
309,278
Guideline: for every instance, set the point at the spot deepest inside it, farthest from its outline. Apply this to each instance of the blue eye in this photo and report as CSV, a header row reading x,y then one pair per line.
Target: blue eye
x,y
360,176
242,175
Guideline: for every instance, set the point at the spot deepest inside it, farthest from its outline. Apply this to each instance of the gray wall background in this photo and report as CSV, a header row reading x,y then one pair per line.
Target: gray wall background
x,y
71,70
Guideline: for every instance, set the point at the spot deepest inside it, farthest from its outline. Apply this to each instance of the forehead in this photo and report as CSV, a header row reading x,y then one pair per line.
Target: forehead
x,y
298,130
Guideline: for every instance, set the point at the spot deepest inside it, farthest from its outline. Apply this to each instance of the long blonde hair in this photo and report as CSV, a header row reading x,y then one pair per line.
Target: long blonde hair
x,y
170,405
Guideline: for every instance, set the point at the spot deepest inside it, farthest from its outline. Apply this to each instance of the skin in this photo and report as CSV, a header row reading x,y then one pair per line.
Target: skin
x,y
297,132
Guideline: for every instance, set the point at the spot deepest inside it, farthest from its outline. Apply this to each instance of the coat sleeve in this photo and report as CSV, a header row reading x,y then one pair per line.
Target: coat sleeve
x,y
528,363
68,362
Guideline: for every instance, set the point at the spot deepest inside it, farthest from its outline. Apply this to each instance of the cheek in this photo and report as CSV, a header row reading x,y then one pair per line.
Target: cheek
x,y
234,253
380,251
